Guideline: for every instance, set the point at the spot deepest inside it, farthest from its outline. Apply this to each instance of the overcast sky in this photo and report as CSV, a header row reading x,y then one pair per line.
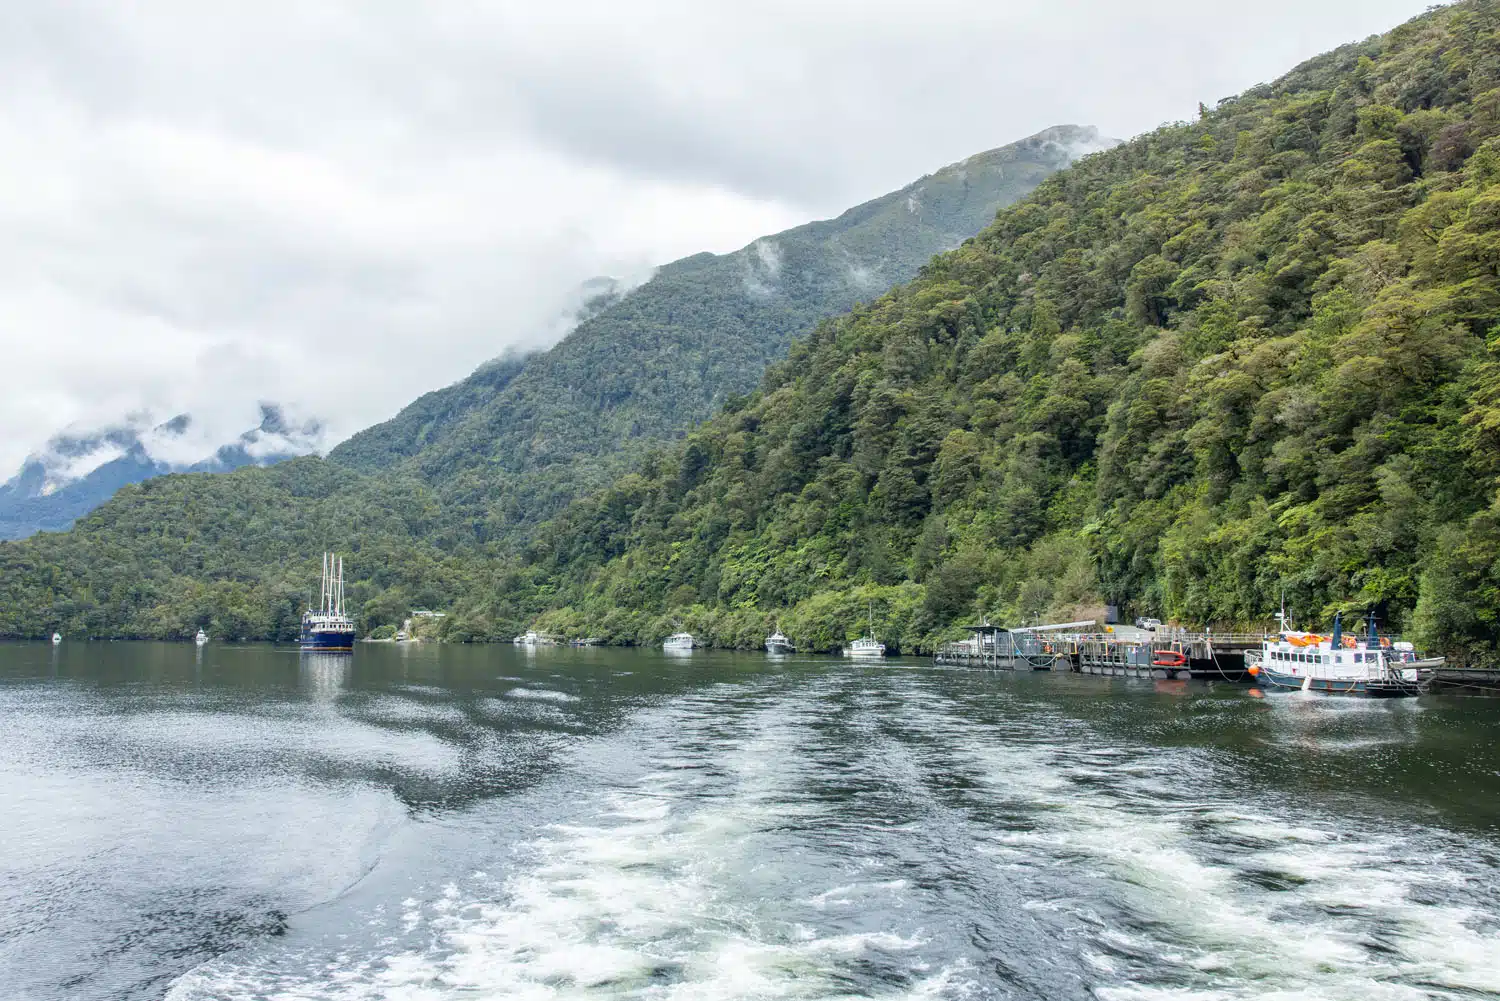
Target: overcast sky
x,y
340,206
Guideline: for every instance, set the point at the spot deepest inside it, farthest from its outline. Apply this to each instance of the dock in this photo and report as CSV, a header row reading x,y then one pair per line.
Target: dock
x,y
1468,680
1120,651
1128,652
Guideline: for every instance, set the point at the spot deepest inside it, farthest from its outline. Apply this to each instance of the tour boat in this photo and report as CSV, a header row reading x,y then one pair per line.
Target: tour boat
x,y
679,643
1343,663
776,643
56,638
529,638
328,628
201,638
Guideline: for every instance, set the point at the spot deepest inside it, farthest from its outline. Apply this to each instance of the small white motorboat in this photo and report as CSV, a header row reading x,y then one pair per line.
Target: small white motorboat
x,y
201,638
56,638
678,643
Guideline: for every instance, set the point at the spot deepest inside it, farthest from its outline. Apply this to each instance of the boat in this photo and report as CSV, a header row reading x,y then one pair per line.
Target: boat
x,y
866,647
327,628
1343,663
529,638
678,643
56,638
201,638
776,643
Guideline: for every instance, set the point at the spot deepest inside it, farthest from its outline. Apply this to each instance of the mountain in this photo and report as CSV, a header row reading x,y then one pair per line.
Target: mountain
x,y
76,471
510,445
1252,355
427,504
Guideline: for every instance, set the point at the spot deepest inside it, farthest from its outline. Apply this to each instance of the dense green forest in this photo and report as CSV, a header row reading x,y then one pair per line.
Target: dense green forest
x,y
1253,353
509,447
427,504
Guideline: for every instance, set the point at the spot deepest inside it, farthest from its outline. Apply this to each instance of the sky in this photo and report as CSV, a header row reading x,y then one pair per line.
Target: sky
x,y
339,206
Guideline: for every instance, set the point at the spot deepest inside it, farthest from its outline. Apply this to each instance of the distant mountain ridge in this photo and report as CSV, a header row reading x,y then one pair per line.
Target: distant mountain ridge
x,y
76,471
519,438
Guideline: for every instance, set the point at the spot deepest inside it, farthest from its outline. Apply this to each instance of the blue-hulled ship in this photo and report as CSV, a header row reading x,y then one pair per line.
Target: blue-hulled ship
x,y
327,628
1343,664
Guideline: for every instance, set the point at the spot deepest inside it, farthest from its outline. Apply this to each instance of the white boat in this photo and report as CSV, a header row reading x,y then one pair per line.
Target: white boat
x,y
776,643
529,638
678,643
1342,663
56,638
201,638
866,647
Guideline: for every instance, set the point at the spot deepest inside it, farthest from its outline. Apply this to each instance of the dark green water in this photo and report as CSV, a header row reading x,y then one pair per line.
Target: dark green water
x,y
427,822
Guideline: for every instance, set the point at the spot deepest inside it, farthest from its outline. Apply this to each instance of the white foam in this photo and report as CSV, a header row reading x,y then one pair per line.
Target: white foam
x,y
648,893
544,694
1309,941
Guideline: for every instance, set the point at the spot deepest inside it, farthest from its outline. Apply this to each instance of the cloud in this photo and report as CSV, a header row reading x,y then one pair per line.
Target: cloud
x,y
339,206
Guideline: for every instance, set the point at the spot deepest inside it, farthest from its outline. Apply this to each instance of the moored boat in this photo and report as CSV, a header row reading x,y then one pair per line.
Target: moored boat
x,y
1343,664
776,643
866,647
328,628
56,638
678,643
201,638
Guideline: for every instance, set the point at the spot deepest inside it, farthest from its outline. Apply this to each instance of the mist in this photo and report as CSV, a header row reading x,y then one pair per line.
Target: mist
x,y
338,207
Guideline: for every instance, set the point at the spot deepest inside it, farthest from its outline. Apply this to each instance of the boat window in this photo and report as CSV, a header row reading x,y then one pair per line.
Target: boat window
x,y
1359,658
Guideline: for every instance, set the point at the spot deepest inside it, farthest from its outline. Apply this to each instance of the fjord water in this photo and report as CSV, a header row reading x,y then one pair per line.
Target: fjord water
x,y
424,822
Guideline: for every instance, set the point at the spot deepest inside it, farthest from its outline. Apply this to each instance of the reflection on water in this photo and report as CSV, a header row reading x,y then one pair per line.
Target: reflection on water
x,y
324,674
431,822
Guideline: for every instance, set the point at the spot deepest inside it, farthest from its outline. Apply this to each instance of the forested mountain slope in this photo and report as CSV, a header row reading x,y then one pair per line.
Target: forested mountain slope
x,y
424,505
1255,352
511,445
76,471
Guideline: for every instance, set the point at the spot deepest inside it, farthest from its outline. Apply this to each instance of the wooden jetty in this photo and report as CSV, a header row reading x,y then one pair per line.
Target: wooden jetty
x,y
1467,680
1164,653
1087,648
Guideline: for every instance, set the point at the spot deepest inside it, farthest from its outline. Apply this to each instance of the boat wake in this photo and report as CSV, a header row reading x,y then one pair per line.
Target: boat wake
x,y
874,834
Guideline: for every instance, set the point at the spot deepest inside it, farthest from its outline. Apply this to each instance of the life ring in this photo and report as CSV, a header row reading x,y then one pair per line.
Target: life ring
x,y
1385,642
1169,658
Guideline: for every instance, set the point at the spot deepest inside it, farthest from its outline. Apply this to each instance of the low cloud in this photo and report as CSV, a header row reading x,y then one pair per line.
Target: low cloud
x,y
339,206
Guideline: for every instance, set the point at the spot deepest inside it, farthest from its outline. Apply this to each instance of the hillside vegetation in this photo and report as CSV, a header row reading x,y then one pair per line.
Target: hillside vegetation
x,y
510,446
1254,353
1251,354
463,472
